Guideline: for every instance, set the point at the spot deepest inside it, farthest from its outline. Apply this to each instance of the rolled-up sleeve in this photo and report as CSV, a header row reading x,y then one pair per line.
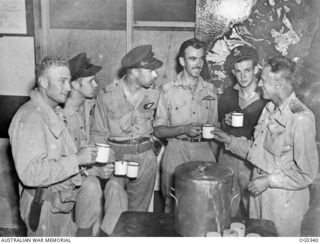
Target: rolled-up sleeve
x,y
100,128
162,114
305,168
31,157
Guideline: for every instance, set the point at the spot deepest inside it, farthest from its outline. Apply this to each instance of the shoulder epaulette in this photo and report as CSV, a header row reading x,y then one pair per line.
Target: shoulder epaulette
x,y
167,86
296,106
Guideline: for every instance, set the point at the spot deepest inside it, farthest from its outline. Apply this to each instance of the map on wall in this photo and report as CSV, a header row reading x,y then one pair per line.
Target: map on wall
x,y
274,27
286,27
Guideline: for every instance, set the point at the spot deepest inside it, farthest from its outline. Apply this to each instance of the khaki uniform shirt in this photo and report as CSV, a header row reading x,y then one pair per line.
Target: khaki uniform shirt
x,y
117,119
80,128
284,148
178,106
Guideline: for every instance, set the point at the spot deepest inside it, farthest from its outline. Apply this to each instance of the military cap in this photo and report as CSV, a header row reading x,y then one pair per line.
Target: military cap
x,y
241,53
80,66
141,57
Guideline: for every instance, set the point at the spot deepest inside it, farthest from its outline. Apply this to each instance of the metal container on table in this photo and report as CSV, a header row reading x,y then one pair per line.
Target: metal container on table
x,y
203,198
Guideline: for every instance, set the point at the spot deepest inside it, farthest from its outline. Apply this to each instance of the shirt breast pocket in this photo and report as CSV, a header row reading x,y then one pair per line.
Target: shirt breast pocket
x,y
274,140
117,109
180,113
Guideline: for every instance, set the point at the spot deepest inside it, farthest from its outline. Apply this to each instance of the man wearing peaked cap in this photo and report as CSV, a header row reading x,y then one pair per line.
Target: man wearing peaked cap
x,y
141,57
244,97
123,118
78,113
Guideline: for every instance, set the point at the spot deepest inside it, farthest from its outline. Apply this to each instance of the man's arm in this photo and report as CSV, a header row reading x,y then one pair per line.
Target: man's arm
x,y
237,145
100,127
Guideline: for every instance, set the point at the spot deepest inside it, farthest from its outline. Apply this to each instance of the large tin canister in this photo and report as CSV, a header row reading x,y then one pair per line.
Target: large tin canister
x,y
203,198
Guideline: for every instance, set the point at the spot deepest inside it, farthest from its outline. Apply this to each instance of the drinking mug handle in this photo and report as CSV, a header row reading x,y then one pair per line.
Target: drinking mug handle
x,y
172,195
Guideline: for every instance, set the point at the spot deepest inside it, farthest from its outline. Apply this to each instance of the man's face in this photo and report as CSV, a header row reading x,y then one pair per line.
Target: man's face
x,y
245,73
88,87
192,62
58,83
146,77
268,83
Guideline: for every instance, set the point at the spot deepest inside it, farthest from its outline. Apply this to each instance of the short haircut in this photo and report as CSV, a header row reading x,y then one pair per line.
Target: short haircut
x,y
283,65
48,62
194,42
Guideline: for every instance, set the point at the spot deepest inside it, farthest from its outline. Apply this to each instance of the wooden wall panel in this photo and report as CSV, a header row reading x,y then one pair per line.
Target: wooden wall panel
x,y
107,47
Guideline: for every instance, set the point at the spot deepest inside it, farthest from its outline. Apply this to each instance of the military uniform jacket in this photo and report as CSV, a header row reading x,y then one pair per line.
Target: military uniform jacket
x,y
284,149
80,131
117,119
178,106
42,148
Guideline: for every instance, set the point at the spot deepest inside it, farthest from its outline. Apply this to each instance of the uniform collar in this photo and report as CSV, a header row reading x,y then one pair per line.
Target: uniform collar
x,y
180,82
282,113
53,118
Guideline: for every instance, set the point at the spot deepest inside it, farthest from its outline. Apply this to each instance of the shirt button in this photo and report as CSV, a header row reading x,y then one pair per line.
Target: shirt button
x,y
132,124
75,139
255,145
81,127
131,135
194,112
176,108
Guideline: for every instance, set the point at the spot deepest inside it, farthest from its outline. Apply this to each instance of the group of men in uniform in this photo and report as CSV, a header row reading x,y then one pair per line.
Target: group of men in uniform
x,y
54,148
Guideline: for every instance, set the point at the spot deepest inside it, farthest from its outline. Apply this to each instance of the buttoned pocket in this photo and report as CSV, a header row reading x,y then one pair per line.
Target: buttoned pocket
x,y
274,139
180,112
118,108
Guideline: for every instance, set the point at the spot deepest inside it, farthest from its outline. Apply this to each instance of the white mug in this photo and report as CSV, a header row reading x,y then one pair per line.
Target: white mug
x,y
206,131
133,169
121,168
103,152
238,227
237,119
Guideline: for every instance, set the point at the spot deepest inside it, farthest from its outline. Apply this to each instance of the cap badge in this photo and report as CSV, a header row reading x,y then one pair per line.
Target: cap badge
x,y
237,52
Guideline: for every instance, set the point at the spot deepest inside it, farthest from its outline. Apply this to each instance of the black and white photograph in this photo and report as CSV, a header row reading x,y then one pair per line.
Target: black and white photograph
x,y
180,119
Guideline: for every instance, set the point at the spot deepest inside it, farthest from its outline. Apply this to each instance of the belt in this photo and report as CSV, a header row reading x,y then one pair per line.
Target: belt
x,y
122,149
133,141
191,139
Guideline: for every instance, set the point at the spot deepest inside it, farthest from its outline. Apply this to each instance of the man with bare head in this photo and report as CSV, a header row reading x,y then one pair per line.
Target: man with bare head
x,y
45,157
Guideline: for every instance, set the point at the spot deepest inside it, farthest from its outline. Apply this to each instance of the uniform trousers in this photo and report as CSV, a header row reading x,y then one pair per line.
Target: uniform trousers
x,y
88,205
124,194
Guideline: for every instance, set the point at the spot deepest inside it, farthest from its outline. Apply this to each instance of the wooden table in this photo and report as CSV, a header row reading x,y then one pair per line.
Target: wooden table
x,y
160,224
